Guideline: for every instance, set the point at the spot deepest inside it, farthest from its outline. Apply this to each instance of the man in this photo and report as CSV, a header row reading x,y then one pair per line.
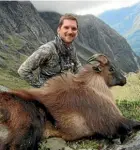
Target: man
x,y
54,57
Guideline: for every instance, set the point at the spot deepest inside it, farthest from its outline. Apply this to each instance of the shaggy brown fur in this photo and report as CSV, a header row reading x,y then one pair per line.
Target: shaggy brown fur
x,y
82,105
21,123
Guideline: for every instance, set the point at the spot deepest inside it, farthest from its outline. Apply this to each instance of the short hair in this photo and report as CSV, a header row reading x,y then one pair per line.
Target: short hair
x,y
68,17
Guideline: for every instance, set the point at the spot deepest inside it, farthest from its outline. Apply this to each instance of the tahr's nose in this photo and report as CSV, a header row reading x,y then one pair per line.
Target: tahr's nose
x,y
123,81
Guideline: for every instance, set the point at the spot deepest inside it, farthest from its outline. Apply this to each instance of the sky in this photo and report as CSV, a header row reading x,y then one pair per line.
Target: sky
x,y
95,7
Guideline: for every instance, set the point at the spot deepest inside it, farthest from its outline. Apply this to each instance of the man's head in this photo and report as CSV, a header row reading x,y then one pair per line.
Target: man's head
x,y
68,28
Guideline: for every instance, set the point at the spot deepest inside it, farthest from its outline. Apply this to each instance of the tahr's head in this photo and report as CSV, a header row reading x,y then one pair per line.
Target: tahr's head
x,y
108,70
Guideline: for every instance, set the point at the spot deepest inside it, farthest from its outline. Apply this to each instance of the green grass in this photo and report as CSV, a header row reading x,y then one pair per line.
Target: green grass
x,y
11,80
80,144
86,144
131,91
13,42
130,109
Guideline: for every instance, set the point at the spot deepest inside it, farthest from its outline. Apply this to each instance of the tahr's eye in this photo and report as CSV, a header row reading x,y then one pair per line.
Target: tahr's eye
x,y
111,69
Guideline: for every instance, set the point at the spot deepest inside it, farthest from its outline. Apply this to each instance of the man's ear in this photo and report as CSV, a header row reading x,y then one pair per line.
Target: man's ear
x,y
58,29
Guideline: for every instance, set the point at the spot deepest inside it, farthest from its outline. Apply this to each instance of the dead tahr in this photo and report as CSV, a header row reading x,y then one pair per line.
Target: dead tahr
x,y
79,106
21,122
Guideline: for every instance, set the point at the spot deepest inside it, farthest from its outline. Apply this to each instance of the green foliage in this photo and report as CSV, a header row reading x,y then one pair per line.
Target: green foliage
x,y
131,91
86,144
12,81
130,109
80,144
10,56
43,145
13,42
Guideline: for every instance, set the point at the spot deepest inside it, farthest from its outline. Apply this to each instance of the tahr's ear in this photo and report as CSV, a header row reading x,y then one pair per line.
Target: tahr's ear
x,y
103,59
96,66
98,60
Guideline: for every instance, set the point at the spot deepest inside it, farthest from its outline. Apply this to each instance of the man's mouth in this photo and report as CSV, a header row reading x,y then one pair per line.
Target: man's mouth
x,y
69,36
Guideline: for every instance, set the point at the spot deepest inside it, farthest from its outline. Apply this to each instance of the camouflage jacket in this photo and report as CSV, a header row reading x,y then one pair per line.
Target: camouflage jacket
x,y
50,62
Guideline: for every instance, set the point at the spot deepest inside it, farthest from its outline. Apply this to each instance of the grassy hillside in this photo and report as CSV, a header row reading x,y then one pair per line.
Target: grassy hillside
x,y
10,79
131,91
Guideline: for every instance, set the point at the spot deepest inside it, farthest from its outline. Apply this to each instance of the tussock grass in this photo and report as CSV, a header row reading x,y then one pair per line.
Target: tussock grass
x,y
130,109
131,91
10,79
128,96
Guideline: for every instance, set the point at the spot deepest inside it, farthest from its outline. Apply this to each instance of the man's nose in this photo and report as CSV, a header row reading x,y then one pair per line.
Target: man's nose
x,y
70,31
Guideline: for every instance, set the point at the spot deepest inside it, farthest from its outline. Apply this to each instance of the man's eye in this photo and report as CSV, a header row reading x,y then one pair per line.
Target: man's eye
x,y
66,27
74,29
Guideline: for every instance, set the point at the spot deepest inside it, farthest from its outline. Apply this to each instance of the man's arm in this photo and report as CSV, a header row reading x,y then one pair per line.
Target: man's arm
x,y
33,62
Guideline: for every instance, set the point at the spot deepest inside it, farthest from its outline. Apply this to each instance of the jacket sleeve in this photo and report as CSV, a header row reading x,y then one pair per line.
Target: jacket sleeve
x,y
33,62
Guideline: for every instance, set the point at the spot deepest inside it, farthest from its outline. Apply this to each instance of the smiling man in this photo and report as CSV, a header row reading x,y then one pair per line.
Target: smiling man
x,y
54,57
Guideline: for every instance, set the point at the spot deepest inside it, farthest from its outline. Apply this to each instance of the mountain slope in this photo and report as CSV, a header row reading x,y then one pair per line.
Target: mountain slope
x,y
23,29
126,21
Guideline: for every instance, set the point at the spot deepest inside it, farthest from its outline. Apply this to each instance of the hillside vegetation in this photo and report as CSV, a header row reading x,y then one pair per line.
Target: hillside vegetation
x,y
131,91
10,79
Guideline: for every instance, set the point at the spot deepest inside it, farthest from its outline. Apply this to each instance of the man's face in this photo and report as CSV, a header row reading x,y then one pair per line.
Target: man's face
x,y
68,31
